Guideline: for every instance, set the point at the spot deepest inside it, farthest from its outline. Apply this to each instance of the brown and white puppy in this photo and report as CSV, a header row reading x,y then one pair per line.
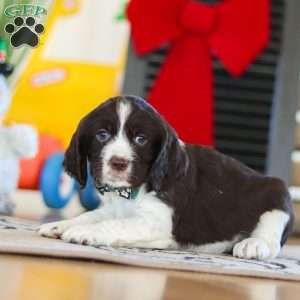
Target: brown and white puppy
x,y
188,196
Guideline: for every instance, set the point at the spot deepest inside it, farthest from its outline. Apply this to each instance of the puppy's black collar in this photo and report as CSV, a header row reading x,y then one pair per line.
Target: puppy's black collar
x,y
124,192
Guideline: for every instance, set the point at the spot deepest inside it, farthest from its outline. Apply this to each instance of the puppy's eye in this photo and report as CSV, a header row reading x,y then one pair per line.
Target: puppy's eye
x,y
140,140
103,136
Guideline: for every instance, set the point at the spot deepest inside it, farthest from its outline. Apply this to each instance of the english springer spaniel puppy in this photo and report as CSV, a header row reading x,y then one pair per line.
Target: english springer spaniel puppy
x,y
159,192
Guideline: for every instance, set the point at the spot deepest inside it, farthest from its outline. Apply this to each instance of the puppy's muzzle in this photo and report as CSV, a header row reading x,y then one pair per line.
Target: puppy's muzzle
x,y
118,163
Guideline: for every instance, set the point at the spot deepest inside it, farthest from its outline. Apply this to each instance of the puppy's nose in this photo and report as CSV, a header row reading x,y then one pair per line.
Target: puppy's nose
x,y
118,163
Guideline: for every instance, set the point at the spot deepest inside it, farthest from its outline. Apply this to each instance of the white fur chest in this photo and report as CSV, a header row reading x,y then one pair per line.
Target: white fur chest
x,y
118,207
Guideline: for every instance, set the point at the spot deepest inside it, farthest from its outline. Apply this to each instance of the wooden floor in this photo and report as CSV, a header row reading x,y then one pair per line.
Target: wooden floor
x,y
34,278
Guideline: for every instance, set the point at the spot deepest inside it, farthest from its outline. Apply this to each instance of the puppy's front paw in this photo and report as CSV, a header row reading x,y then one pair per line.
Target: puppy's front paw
x,y
255,248
54,229
81,234
85,235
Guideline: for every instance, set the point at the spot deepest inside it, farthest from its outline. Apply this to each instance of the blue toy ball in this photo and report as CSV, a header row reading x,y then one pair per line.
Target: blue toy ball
x,y
56,186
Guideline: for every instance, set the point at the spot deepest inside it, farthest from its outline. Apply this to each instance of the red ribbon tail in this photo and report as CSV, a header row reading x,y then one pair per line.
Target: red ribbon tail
x,y
183,91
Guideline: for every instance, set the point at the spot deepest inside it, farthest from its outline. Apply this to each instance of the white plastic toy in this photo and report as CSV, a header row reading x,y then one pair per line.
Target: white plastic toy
x,y
16,142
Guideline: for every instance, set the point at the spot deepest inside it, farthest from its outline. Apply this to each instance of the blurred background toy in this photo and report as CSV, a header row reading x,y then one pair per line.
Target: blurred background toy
x,y
66,75
45,172
16,141
71,70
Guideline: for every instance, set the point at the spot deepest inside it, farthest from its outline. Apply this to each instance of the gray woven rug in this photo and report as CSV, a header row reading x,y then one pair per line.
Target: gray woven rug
x,y
19,237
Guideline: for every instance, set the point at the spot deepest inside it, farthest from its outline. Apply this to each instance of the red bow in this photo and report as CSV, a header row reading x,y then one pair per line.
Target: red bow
x,y
234,30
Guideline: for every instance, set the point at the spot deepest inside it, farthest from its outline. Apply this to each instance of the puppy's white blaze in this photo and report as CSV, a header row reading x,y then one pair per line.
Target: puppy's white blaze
x,y
123,110
119,146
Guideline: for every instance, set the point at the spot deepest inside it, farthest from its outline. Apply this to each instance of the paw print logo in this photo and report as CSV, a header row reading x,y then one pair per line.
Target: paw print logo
x,y
24,31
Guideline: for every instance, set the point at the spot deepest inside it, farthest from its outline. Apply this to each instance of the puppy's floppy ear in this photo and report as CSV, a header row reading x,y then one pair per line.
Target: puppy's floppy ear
x,y
171,162
75,161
